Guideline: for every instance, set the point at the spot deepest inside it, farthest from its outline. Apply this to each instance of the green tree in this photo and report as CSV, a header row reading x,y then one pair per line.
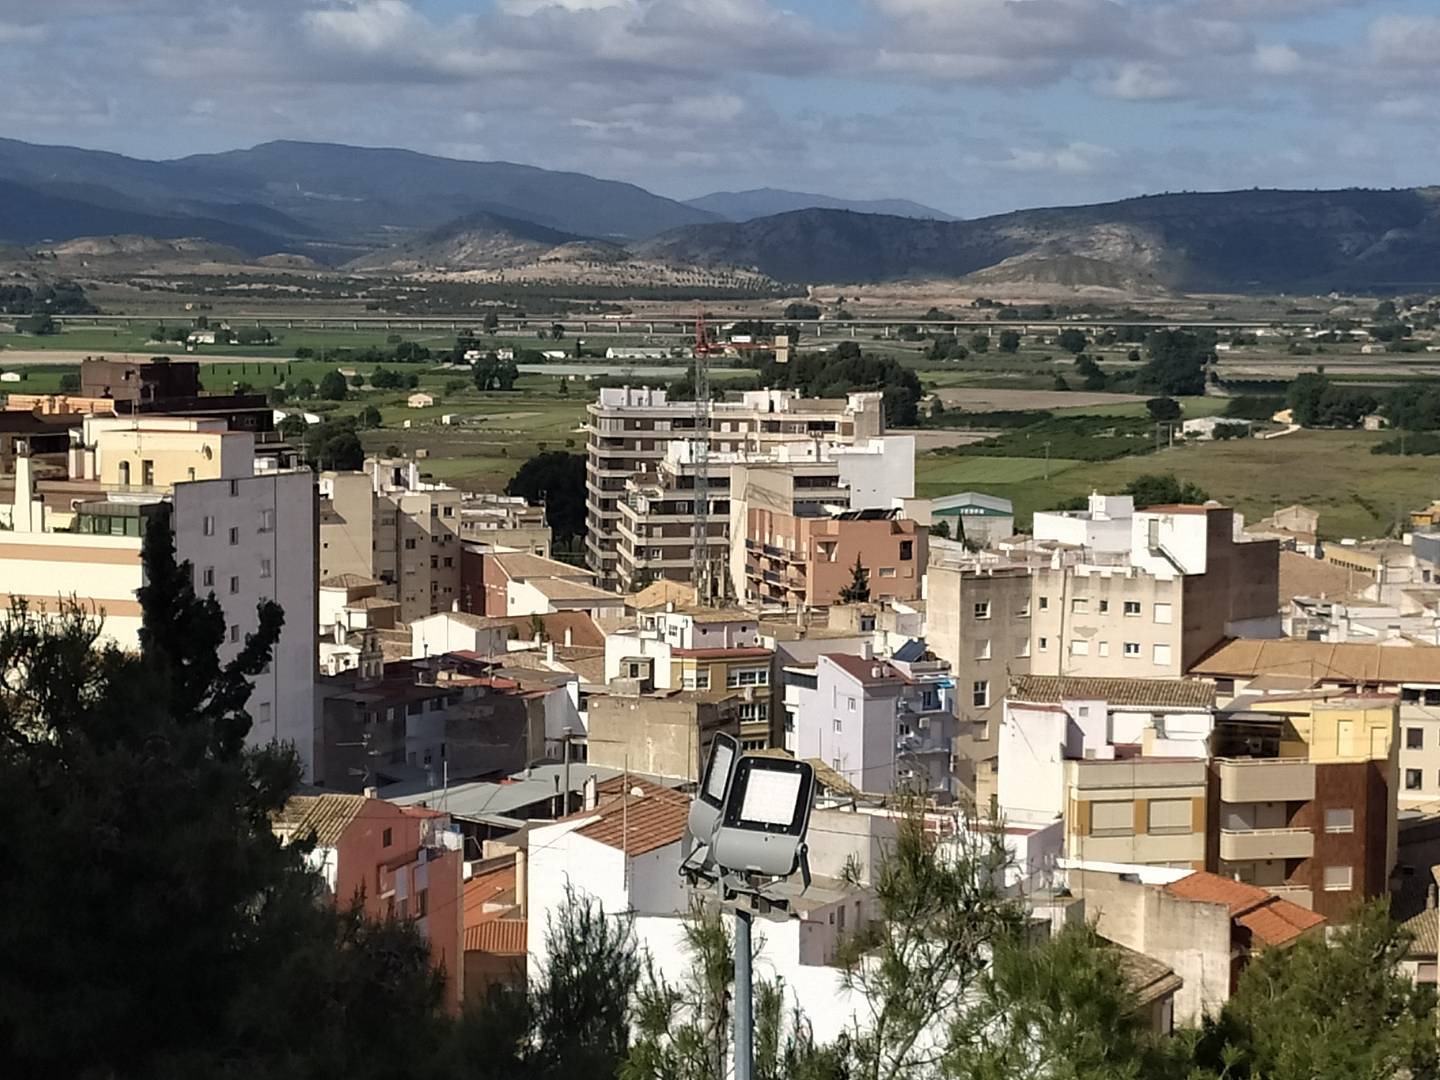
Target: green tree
x,y
491,322
1163,489
357,380
979,342
1176,364
136,762
1163,408
940,528
858,591
1328,1008
799,310
70,382
1009,341
557,480
332,386
1073,341
370,417
492,373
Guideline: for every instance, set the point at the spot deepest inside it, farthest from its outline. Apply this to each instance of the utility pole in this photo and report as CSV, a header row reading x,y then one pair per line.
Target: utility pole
x,y
565,736
744,997
1047,459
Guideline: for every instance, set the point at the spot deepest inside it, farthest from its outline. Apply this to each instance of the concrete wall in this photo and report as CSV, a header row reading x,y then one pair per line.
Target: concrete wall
x,y
1032,747
1079,625
1193,938
658,736
101,572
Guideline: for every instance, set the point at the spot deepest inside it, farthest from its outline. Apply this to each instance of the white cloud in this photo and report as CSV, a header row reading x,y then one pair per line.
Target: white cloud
x,y
1276,60
1076,158
16,34
1405,39
1139,82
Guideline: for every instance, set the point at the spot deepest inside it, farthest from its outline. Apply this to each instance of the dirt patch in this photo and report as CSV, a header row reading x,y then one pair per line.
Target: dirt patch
x,y
982,399
932,439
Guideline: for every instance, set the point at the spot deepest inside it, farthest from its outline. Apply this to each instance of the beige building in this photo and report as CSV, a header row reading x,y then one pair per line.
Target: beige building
x,y
628,430
665,733
497,523
1173,585
978,618
386,524
807,562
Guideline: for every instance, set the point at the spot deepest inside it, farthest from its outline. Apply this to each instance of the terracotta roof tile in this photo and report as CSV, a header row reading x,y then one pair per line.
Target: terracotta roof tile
x,y
1142,693
636,825
1271,920
521,564
328,816
862,670
1322,660
1214,889
1425,928
492,888
499,937
1301,575
743,653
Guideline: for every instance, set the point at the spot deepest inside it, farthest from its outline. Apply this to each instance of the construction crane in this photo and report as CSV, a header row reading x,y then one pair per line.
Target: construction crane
x,y
703,575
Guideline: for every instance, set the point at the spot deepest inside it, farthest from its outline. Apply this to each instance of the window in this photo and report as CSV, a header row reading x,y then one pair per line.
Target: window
x,y
1112,818
1132,648
1044,603
1412,779
385,838
1162,655
1169,816
1079,648
267,520
264,568
907,550
234,584
747,677
207,579
850,704
1024,612
1338,878
1080,605
1340,821
887,571
125,473
1102,648
1414,738
980,694
982,609
234,488
449,561
410,544
1104,606
702,678
1163,613
1043,644
234,536
839,724
208,526
982,649
234,633
1132,607
147,473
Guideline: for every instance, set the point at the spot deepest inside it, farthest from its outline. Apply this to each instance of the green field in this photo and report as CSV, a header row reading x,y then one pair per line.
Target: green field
x,y
1357,493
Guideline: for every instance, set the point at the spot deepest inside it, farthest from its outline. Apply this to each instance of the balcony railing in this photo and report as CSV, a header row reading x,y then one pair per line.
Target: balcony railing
x,y
1243,845
1245,780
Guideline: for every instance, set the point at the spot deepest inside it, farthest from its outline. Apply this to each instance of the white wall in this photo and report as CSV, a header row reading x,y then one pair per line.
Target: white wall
x,y
618,646
267,564
435,635
1032,763
1182,537
878,471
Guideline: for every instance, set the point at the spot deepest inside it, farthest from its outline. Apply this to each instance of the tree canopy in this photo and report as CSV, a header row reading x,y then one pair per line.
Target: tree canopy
x,y
556,479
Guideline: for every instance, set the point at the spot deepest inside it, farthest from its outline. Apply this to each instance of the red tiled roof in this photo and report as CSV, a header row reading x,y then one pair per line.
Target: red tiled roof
x,y
499,937
495,887
638,824
1271,920
857,667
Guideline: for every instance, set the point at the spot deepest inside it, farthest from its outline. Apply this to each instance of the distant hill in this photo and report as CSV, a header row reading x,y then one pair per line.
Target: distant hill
x,y
483,241
765,202
1240,240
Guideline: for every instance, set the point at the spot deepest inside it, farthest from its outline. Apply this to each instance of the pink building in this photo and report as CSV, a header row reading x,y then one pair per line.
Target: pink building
x,y
806,561
400,861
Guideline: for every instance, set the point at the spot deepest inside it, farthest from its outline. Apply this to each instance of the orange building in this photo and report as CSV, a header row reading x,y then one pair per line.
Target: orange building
x,y
807,561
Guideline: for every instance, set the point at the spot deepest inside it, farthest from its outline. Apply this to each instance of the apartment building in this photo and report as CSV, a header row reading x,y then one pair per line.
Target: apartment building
x,y
664,733
500,523
703,650
1304,789
387,524
628,430
1409,673
248,538
806,562
978,619
1145,594
883,725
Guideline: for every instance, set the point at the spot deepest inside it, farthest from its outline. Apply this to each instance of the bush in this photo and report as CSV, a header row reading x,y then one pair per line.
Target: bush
x,y
1253,407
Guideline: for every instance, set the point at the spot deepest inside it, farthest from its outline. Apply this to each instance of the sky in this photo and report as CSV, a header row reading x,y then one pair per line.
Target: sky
x,y
971,106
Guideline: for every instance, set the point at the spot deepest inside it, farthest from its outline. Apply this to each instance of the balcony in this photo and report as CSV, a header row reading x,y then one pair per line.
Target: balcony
x,y
1296,894
1246,780
1245,845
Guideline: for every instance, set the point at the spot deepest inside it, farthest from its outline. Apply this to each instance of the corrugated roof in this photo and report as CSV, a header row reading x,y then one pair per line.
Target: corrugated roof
x,y
328,816
637,824
1347,662
1271,920
1139,693
499,937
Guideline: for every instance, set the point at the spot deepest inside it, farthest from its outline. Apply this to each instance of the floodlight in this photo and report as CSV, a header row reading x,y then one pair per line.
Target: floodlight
x,y
708,806
766,814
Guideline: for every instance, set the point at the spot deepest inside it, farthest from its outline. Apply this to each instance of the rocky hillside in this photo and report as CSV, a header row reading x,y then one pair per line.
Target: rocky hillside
x,y
484,241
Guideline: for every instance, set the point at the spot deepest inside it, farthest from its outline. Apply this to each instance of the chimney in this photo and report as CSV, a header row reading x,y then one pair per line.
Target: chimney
x,y
549,652
372,793
522,880
569,637
1430,898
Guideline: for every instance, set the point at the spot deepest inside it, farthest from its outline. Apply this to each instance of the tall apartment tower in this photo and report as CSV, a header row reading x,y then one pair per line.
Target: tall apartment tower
x,y
629,429
387,524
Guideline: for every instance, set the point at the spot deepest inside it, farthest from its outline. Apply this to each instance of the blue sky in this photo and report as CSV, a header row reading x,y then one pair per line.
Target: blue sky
x,y
973,106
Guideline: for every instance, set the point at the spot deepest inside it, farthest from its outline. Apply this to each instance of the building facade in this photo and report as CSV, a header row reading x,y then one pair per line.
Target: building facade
x,y
798,562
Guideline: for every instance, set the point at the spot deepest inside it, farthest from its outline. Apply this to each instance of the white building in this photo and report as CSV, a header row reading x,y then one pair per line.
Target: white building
x,y
1103,527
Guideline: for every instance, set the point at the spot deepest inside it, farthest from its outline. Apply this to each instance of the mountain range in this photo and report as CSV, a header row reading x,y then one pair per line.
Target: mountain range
x,y
398,211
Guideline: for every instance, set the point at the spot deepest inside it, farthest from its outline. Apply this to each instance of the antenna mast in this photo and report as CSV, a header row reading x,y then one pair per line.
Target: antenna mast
x,y
702,574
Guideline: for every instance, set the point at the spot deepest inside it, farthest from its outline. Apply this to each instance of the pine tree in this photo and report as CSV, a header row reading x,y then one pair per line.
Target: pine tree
x,y
858,591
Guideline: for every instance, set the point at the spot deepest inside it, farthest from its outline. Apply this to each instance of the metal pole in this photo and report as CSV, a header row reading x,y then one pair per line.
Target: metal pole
x,y
565,735
744,1006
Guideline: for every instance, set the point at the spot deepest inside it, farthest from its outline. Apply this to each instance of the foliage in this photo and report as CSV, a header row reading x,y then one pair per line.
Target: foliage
x,y
369,418
1176,362
1095,377
70,382
1415,407
1009,341
858,590
926,951
1419,443
1251,407
940,528
993,420
57,298
1163,408
1327,1009
556,479
332,386
946,347
492,373
40,325
980,342
1082,438
332,444
1315,401
1072,341
847,370
206,946
798,310
1163,489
